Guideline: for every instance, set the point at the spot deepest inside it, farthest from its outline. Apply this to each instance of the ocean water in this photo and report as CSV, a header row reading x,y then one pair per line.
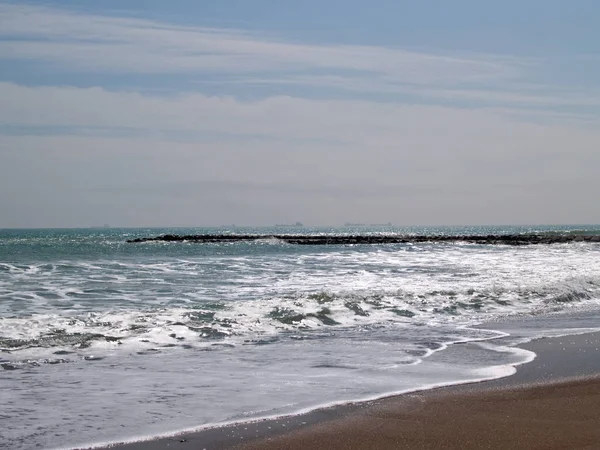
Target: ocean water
x,y
104,341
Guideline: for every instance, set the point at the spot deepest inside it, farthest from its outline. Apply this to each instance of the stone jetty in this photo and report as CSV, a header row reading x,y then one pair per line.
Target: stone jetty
x,y
497,239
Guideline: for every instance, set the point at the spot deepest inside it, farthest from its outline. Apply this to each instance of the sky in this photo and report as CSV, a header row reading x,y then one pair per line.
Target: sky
x,y
186,113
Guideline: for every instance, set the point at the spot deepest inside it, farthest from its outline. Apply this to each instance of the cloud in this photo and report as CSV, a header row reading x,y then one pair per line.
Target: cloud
x,y
511,152
285,119
197,159
533,100
70,42
126,45
218,117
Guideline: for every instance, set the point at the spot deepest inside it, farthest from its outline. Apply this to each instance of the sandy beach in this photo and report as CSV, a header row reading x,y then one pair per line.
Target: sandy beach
x,y
552,416
550,403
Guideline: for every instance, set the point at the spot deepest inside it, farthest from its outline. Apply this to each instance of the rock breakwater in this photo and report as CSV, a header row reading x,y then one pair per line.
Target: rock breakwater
x,y
494,239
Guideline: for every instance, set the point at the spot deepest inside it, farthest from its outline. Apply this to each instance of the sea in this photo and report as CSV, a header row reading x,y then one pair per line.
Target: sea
x,y
104,341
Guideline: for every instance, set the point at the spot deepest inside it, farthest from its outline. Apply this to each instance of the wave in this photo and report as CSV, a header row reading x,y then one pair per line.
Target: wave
x,y
258,321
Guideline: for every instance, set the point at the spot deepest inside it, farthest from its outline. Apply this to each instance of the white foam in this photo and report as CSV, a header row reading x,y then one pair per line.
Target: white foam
x,y
477,375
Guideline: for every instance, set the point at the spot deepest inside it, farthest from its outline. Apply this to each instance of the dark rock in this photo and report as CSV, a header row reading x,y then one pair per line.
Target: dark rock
x,y
509,239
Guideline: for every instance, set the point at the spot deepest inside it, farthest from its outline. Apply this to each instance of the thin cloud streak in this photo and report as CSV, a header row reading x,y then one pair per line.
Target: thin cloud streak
x,y
71,42
507,95
285,118
113,44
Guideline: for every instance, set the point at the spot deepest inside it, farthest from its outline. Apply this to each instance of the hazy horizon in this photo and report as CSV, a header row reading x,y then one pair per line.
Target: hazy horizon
x,y
308,225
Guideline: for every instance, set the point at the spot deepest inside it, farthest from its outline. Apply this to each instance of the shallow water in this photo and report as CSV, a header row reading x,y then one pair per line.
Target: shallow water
x,y
100,337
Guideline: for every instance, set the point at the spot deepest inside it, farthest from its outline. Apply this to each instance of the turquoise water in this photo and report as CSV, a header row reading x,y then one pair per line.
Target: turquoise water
x,y
186,334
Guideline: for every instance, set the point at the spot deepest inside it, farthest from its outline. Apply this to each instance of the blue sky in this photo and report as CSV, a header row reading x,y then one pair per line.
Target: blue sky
x,y
510,26
414,100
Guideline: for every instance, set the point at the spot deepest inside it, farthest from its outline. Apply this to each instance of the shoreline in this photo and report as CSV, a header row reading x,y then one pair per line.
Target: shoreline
x,y
568,362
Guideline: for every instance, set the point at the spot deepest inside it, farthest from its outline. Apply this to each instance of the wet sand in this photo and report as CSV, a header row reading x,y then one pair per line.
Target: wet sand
x,y
553,416
550,403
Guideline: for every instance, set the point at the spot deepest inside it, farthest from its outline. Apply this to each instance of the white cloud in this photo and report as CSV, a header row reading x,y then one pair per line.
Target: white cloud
x,y
337,121
128,45
284,159
528,99
72,41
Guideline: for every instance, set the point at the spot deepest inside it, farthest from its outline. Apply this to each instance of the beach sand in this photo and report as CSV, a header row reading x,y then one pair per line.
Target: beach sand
x,y
550,403
553,416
